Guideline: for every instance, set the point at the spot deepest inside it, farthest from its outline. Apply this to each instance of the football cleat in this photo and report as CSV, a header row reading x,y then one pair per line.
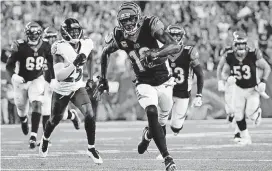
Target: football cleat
x,y
94,154
32,142
142,146
237,137
49,144
25,127
43,149
169,164
76,120
245,141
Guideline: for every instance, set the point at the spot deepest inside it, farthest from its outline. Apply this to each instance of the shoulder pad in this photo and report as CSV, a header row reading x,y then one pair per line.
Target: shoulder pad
x,y
20,41
14,46
252,50
54,48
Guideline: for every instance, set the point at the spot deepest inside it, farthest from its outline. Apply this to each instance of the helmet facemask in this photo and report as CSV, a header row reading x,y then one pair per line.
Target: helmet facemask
x,y
240,44
177,33
33,35
72,34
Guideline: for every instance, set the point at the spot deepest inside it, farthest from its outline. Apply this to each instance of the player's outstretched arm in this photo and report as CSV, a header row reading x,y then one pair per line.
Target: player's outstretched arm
x,y
197,70
170,45
109,49
61,71
89,65
262,64
11,63
220,67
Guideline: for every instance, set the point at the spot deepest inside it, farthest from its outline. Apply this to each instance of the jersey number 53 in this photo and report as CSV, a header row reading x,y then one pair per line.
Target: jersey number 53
x,y
242,72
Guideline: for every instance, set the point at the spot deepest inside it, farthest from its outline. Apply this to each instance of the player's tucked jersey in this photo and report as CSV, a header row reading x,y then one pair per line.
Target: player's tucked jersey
x,y
182,71
245,70
75,79
144,40
31,60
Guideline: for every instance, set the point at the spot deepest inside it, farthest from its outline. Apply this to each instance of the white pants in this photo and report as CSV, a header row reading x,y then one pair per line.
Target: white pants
x,y
28,92
246,101
160,96
179,111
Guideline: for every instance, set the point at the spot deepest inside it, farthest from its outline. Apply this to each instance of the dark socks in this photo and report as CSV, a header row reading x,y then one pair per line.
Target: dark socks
x,y
90,127
242,124
35,121
44,120
155,130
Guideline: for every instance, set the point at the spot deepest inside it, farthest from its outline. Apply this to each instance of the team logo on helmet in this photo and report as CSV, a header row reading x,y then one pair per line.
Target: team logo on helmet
x,y
176,32
33,32
71,30
129,16
240,43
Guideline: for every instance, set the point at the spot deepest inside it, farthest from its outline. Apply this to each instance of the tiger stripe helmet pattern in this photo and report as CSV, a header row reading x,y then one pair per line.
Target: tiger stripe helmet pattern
x,y
177,32
129,16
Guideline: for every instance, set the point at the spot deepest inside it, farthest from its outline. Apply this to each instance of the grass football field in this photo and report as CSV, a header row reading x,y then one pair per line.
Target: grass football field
x,y
201,145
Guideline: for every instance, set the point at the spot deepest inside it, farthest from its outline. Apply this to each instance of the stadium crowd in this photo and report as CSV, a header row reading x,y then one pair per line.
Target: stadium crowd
x,y
209,26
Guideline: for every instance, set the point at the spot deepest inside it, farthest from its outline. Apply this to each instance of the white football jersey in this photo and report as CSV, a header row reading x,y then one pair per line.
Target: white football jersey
x,y
75,80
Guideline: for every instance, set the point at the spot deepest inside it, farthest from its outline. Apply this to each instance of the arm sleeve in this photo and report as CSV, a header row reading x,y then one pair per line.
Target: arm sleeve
x,y
11,63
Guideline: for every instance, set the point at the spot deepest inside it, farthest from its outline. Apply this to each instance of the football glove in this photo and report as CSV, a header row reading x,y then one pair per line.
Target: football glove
x,y
231,80
221,85
197,102
80,60
17,79
261,87
103,86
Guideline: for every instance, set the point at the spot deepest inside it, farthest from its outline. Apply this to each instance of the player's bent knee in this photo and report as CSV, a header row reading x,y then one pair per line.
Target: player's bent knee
x,y
36,106
238,116
87,110
55,120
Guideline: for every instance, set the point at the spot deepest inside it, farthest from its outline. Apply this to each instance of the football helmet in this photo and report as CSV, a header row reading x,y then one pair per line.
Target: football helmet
x,y
128,17
176,32
71,30
240,43
50,34
33,32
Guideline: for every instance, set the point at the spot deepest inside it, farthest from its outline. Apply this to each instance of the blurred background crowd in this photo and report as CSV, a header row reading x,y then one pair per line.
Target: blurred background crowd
x,y
209,26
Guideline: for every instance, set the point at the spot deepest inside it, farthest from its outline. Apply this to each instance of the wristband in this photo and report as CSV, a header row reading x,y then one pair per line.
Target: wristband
x,y
263,80
198,95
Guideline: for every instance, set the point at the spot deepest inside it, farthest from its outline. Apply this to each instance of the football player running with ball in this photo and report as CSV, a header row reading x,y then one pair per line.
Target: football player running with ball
x,y
240,72
137,35
69,56
29,82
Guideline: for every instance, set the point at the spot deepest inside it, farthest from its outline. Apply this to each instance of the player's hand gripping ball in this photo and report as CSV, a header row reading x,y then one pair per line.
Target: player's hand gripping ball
x,y
80,60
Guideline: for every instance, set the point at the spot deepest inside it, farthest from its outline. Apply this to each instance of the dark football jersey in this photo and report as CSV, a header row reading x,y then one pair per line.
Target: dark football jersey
x,y
182,71
31,61
145,40
245,70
